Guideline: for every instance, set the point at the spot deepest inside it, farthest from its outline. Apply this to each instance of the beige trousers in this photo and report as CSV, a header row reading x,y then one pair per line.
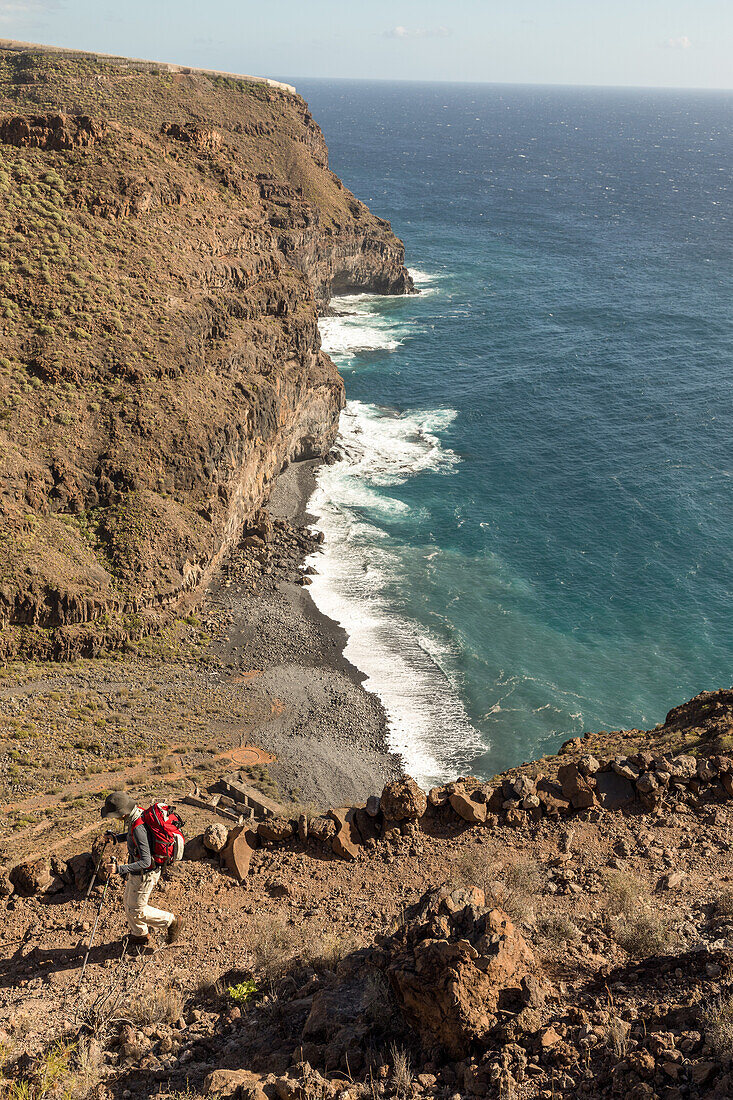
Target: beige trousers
x,y
141,917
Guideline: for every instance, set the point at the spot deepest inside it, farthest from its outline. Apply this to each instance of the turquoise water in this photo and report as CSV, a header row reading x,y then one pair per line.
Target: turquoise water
x,y
530,532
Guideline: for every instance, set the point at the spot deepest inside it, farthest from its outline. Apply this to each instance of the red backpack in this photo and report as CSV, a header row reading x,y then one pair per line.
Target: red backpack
x,y
164,829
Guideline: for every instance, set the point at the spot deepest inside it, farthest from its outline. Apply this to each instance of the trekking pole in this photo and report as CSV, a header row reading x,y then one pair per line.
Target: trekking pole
x,y
94,930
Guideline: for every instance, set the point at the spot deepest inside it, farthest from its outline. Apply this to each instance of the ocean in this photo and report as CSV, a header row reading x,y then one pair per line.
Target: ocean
x,y
530,533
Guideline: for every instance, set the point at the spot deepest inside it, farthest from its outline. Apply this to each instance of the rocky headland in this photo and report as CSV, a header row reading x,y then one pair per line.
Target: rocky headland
x,y
166,242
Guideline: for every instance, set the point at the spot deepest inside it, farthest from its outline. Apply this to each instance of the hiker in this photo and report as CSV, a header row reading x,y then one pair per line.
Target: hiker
x,y
141,874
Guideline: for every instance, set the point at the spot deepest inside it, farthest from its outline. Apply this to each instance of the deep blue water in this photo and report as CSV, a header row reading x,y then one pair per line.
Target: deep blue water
x,y
530,534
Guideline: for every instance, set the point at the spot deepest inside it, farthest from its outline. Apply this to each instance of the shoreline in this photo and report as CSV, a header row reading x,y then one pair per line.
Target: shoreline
x,y
328,733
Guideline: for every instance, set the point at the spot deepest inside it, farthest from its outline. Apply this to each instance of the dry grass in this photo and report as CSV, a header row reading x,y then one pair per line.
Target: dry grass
x,y
470,867
277,948
208,983
617,1035
643,934
376,996
625,892
155,1006
716,1019
88,1070
514,889
555,931
723,906
401,1071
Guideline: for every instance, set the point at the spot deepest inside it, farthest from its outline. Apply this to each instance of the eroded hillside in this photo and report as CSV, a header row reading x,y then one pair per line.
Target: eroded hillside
x,y
165,243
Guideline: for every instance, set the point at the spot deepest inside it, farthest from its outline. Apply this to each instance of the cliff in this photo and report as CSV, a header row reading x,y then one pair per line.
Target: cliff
x,y
166,241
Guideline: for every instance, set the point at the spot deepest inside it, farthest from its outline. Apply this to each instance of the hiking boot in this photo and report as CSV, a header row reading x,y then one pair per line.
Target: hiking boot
x,y
174,929
137,945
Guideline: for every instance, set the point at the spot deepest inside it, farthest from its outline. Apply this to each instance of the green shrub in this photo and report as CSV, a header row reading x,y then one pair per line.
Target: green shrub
x,y
244,992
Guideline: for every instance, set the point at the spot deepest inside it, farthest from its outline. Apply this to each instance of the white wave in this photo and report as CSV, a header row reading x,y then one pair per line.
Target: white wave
x,y
355,326
407,666
383,447
425,281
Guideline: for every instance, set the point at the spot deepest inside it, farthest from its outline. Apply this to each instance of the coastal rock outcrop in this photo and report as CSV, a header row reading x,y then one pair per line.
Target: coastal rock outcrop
x,y
453,965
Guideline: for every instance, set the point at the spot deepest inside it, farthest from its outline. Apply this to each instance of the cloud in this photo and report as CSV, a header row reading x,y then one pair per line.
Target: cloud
x,y
24,9
680,43
404,33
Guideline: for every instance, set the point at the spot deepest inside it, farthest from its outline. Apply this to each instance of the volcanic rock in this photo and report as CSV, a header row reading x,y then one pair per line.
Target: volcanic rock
x,y
403,800
275,830
452,965
578,789
237,855
31,878
468,807
216,837
347,839
322,830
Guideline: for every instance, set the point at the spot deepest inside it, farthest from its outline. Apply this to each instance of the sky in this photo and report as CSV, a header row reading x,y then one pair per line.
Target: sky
x,y
657,43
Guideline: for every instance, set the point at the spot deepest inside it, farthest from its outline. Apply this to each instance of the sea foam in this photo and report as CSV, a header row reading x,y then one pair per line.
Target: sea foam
x,y
355,328
406,665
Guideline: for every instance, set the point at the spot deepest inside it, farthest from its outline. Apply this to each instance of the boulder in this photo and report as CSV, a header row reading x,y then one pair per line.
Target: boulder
x,y
682,768
347,839
373,805
532,805
237,855
623,767
588,765
649,790
614,791
369,827
706,770
240,1083
403,800
452,965
216,837
438,797
523,786
674,880
195,849
31,878
647,783
577,788
494,798
468,806
321,830
275,830
551,799
336,1009
79,870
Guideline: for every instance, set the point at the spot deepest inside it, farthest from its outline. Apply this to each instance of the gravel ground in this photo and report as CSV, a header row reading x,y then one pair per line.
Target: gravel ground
x,y
329,735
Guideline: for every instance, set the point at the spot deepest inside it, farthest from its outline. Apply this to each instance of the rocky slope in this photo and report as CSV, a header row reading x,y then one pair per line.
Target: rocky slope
x,y
166,241
408,949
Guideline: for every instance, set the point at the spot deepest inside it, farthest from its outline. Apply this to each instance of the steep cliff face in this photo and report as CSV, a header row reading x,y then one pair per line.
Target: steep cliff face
x,y
165,244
